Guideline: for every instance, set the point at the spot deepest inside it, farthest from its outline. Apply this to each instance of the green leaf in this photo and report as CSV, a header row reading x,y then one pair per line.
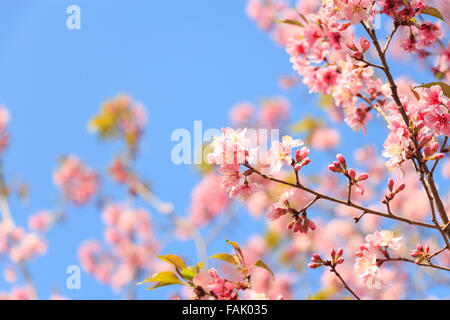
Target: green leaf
x,y
291,22
189,273
431,11
262,264
161,284
234,244
166,276
445,87
225,257
173,260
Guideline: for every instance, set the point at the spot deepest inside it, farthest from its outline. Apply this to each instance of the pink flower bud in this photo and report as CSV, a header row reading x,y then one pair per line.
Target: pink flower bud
x,y
311,225
344,26
333,253
301,154
333,168
291,224
340,252
340,260
437,156
341,160
313,265
297,166
400,188
316,258
431,148
365,44
306,162
298,155
391,184
352,174
363,177
351,45
356,55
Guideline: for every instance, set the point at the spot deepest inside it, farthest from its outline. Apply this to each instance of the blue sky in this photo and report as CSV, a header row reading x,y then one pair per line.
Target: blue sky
x,y
185,61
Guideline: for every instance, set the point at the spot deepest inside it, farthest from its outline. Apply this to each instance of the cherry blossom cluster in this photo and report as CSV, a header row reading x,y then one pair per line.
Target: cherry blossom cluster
x,y
367,263
131,244
233,149
17,248
421,253
300,222
340,166
336,258
324,53
393,192
78,182
20,245
431,119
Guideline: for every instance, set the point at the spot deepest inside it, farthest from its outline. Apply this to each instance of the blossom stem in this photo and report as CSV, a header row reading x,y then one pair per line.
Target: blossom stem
x,y
427,182
401,259
353,205
333,269
436,253
444,143
374,106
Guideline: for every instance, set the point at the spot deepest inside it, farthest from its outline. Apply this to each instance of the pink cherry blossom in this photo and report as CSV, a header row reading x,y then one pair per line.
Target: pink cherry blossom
x,y
78,182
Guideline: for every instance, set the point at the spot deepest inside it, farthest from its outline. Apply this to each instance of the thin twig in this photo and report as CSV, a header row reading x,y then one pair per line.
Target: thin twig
x,y
333,269
353,205
430,265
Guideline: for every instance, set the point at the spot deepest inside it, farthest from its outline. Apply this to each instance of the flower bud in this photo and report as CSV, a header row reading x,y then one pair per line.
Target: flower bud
x,y
344,26
365,44
351,45
313,265
431,148
306,162
311,225
437,156
352,174
333,253
301,154
341,160
333,168
291,224
400,188
363,177
391,184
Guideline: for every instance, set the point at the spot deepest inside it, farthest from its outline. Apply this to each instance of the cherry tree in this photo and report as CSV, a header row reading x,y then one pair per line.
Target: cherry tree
x,y
362,227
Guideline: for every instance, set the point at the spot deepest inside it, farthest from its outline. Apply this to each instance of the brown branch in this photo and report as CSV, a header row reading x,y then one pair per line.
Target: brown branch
x,y
389,38
444,143
436,253
427,182
333,269
374,106
353,205
430,265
